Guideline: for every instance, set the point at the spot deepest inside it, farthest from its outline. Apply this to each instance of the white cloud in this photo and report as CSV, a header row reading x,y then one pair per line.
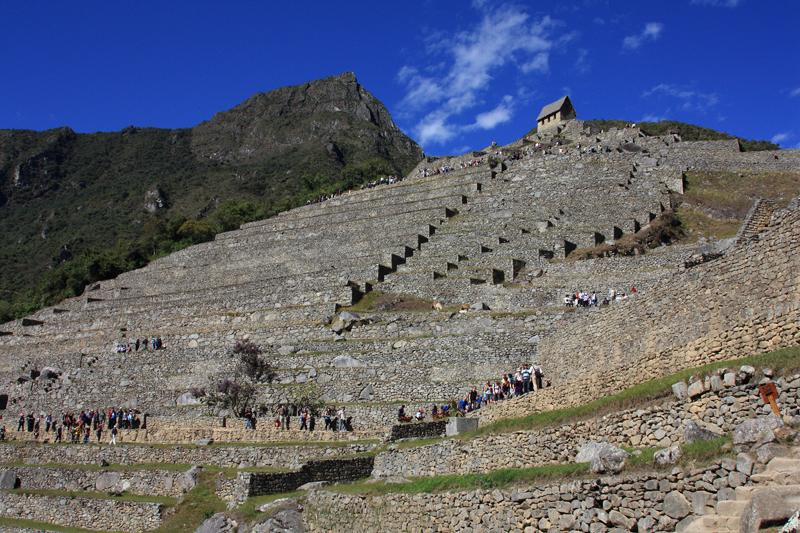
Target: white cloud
x,y
433,128
490,119
652,118
504,36
539,63
689,99
780,138
794,92
651,32
582,61
717,3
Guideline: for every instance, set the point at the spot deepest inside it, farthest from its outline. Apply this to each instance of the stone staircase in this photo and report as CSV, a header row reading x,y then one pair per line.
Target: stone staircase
x,y
756,220
772,499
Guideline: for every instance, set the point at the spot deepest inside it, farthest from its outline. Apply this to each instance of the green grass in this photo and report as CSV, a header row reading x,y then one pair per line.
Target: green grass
x,y
44,526
198,505
454,482
694,454
698,224
729,195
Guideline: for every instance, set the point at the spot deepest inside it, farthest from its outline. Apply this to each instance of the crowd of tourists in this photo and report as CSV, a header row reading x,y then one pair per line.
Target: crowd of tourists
x,y
83,428
513,384
446,169
587,299
334,419
153,343
383,180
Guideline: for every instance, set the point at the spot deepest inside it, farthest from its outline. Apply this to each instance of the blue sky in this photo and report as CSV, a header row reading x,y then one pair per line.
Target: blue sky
x,y
455,74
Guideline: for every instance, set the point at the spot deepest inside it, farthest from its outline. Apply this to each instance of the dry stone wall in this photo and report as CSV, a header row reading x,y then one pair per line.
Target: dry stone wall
x,y
660,425
654,502
87,513
290,457
744,303
144,482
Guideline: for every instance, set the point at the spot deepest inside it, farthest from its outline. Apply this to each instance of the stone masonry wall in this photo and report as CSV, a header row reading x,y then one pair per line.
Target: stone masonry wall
x,y
88,513
225,456
652,502
745,303
659,425
145,482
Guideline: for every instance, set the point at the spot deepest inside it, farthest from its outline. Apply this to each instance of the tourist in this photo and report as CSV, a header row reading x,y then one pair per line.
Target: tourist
x,y
113,436
340,414
99,431
420,414
21,422
304,419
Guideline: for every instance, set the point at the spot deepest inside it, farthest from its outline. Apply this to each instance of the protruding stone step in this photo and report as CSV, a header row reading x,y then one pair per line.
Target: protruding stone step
x,y
731,507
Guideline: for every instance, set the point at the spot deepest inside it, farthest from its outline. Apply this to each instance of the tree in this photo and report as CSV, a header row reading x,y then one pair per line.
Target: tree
x,y
238,392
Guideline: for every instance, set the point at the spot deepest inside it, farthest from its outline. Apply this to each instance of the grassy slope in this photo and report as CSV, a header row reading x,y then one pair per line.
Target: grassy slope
x,y
715,203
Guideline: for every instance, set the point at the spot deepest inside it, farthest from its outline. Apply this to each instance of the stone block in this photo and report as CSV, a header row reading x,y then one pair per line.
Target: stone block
x,y
680,390
460,424
676,505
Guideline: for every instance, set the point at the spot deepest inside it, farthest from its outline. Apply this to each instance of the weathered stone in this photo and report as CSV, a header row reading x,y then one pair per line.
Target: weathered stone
x,y
218,523
346,361
765,506
696,388
676,505
693,431
667,456
188,480
602,457
744,463
680,390
756,431
107,481
618,519
8,479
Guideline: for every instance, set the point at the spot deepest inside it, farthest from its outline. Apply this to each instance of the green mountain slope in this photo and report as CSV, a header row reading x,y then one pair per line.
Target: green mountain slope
x,y
75,208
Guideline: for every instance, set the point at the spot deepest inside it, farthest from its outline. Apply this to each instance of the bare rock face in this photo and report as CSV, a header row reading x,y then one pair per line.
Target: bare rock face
x,y
291,116
154,200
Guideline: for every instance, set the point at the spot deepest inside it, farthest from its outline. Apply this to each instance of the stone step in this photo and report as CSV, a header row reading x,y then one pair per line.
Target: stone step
x,y
783,464
721,523
745,492
731,507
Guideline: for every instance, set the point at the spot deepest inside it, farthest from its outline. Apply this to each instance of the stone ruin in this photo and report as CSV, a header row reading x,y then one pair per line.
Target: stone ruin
x,y
482,247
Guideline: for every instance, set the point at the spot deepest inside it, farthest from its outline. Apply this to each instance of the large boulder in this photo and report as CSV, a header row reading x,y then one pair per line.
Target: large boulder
x,y
766,506
286,521
756,431
219,523
693,431
187,481
603,457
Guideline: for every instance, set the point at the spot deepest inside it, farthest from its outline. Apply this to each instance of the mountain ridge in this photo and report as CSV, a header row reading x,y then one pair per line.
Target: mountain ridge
x,y
77,207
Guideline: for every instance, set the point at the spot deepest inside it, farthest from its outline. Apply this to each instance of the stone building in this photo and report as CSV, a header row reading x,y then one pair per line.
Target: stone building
x,y
555,113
